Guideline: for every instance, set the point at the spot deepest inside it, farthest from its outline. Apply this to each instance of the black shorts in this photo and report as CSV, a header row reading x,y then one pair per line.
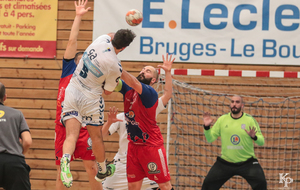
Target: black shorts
x,y
14,172
222,170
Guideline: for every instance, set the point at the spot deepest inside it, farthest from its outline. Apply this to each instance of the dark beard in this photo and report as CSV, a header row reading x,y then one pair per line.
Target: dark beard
x,y
238,110
142,79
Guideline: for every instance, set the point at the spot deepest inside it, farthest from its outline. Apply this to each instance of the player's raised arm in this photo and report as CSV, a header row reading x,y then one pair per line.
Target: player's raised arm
x,y
167,66
147,76
131,81
112,118
72,43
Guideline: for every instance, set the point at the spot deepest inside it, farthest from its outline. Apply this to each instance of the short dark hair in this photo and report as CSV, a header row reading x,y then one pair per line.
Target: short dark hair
x,y
123,38
2,92
76,56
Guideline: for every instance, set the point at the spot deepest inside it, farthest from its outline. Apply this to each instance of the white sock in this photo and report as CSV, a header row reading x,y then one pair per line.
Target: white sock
x,y
102,167
68,156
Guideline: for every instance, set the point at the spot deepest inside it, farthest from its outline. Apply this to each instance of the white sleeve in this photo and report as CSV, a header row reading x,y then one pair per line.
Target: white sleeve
x,y
116,126
160,106
112,79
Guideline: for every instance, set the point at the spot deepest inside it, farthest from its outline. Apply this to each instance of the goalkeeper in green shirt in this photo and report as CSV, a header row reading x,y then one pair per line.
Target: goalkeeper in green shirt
x,y
237,130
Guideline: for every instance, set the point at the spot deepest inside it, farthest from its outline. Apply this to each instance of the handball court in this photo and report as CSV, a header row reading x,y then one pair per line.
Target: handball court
x,y
32,88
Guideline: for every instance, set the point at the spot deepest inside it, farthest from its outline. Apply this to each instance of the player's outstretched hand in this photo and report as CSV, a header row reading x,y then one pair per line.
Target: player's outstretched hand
x,y
112,115
167,63
207,120
80,7
252,132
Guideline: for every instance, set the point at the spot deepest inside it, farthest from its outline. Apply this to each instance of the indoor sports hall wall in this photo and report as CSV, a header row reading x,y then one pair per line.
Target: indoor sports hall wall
x,y
32,88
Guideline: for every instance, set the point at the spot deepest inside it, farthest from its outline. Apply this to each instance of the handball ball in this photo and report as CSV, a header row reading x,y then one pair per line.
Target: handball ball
x,y
134,17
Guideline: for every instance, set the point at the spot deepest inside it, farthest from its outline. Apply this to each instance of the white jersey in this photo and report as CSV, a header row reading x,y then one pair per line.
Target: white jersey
x,y
98,64
120,128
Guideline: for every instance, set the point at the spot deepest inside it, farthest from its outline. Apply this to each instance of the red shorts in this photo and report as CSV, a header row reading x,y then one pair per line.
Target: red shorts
x,y
83,149
147,161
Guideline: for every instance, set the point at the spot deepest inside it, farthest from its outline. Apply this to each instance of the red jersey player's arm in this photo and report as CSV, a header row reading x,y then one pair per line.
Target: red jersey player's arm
x,y
132,81
168,89
167,66
72,43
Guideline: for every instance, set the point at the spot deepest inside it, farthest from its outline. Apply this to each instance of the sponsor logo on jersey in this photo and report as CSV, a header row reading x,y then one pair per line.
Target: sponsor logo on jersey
x,y
153,168
131,175
61,94
89,142
243,126
131,114
1,113
235,139
2,120
87,119
134,132
107,50
75,113
90,66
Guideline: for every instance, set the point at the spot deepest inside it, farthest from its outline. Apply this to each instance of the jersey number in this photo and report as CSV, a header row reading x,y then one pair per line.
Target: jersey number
x,y
92,55
84,71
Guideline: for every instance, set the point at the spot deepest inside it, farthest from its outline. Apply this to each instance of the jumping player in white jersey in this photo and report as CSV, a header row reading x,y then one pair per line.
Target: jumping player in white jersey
x,y
98,71
83,147
117,124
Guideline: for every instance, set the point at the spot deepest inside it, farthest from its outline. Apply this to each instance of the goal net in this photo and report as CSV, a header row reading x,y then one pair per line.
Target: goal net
x,y
191,156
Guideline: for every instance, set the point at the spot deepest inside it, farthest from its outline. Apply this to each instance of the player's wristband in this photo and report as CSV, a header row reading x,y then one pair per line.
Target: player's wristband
x,y
254,138
119,86
206,127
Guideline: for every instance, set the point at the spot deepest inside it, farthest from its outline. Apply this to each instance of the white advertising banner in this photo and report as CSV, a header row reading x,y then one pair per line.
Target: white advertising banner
x,y
200,31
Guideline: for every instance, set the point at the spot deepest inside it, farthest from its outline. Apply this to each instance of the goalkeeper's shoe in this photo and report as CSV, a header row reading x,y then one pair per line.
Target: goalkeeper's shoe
x,y
110,170
65,174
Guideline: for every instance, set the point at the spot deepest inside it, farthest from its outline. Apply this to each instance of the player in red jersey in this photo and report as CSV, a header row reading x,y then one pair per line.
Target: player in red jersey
x,y
146,156
83,147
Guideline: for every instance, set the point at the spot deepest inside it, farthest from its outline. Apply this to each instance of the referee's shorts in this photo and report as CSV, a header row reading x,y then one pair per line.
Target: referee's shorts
x,y
14,172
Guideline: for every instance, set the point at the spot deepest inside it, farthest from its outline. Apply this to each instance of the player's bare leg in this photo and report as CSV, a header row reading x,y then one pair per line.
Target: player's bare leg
x,y
165,186
91,169
98,148
97,142
72,132
135,185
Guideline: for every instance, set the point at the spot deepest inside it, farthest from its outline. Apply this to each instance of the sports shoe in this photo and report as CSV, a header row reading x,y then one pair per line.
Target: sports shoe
x,y
110,170
65,174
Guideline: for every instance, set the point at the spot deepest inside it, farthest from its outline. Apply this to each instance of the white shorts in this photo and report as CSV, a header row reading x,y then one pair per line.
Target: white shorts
x,y
86,110
119,180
